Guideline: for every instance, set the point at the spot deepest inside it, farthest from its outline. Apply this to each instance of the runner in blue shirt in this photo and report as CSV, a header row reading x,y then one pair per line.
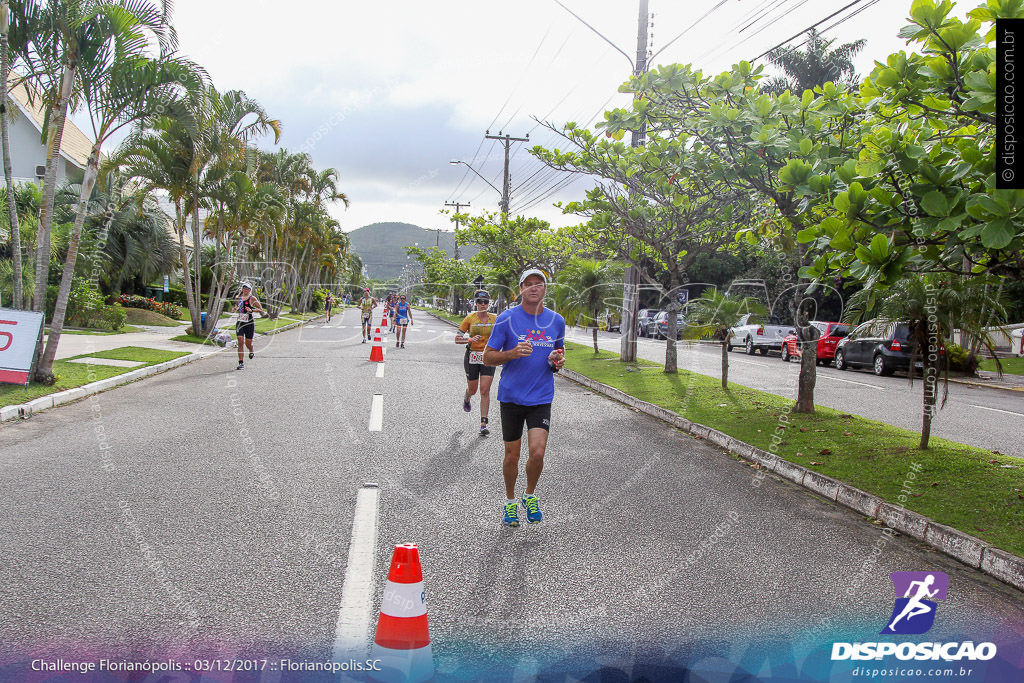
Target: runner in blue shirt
x,y
529,341
403,318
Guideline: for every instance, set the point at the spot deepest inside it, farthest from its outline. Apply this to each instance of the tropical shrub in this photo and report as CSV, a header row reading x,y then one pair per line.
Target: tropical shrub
x,y
162,307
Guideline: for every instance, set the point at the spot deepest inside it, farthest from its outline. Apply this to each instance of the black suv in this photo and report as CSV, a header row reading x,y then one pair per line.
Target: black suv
x,y
643,321
881,345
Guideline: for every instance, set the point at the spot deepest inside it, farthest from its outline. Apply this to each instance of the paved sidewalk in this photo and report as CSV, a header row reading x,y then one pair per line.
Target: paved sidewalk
x,y
992,380
151,338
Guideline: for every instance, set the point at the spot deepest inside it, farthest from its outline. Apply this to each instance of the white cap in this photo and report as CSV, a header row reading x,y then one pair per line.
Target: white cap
x,y
246,284
532,271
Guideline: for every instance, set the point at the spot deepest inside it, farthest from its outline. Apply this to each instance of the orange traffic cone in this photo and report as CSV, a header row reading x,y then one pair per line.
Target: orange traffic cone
x,y
384,321
402,641
377,352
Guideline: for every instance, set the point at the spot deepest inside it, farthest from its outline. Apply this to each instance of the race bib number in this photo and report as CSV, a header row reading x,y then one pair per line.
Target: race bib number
x,y
244,317
476,357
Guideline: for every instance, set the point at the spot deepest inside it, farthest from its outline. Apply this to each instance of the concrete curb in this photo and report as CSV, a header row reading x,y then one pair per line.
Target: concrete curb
x,y
983,385
972,551
26,410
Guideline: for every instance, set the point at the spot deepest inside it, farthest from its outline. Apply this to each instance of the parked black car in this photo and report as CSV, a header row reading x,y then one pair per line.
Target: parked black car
x,y
643,321
880,345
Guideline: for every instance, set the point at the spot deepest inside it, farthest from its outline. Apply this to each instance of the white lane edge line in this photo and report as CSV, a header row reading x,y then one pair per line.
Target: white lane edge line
x,y
997,410
850,381
377,413
380,370
352,631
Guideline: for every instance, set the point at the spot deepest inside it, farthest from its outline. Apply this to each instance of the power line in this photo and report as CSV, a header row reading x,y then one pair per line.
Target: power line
x,y
793,37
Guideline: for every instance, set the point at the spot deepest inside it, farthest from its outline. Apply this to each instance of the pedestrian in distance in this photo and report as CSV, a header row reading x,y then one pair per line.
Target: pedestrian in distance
x,y
528,340
329,304
475,330
245,326
403,318
366,305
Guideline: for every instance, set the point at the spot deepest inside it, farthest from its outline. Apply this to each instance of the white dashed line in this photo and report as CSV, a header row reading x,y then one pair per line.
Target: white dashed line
x,y
996,410
351,634
377,413
380,370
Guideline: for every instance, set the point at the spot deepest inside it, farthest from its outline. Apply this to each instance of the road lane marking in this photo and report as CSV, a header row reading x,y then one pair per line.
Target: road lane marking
x,y
351,634
380,370
850,381
997,410
377,413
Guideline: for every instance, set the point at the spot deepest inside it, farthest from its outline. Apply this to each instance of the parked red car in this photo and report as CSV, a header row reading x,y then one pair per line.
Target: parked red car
x,y
831,333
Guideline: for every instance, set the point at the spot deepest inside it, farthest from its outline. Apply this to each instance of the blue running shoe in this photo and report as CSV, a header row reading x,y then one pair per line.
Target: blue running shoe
x,y
466,406
511,514
532,505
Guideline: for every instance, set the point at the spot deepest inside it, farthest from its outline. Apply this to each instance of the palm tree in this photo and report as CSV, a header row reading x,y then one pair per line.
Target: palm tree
x,y
77,48
714,315
24,14
817,65
932,306
585,288
119,88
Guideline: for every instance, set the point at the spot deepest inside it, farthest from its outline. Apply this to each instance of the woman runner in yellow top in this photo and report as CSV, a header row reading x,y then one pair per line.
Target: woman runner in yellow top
x,y
475,331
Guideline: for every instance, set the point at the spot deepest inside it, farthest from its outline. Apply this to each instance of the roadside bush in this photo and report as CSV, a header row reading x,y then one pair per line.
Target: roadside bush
x,y
111,317
161,307
178,298
318,301
960,360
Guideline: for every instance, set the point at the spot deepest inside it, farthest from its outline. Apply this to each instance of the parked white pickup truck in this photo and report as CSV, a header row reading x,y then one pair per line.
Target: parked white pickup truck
x,y
761,337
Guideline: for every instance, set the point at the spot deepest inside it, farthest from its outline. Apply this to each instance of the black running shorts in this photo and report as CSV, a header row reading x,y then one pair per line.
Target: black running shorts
x,y
247,330
513,416
475,371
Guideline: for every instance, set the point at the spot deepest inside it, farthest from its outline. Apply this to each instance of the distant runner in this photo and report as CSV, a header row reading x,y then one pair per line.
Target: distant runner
x,y
529,340
329,304
366,306
245,328
476,330
403,318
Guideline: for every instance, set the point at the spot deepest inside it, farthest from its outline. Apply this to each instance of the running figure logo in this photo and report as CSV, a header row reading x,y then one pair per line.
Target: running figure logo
x,y
914,612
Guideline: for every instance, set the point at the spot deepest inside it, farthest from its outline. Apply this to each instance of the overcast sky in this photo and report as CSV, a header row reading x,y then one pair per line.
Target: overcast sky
x,y
388,93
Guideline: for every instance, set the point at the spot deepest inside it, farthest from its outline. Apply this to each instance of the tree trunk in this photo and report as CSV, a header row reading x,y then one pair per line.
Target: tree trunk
x,y
190,298
725,362
930,362
12,206
44,370
807,337
197,264
58,115
671,352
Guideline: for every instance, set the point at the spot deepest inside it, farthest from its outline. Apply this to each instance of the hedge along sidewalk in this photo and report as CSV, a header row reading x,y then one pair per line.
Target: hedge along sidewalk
x,y
878,469
157,361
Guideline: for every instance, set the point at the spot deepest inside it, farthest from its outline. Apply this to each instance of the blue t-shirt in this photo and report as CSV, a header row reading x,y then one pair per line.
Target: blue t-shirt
x,y
402,308
527,381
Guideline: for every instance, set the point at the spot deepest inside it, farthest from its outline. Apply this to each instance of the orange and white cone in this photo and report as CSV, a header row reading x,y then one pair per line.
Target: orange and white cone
x,y
377,352
384,321
402,640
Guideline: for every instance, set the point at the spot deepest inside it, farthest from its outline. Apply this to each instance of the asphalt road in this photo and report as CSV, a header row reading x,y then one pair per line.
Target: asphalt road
x,y
207,513
978,416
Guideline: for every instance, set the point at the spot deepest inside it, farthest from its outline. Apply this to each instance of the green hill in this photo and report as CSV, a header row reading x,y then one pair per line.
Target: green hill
x,y
380,246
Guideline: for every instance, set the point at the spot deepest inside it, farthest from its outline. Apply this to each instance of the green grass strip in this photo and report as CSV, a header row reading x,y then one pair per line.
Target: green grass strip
x,y
1011,366
961,486
73,375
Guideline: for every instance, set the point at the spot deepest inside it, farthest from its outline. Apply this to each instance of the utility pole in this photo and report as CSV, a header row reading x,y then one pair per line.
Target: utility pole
x,y
455,294
507,140
630,287
458,208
